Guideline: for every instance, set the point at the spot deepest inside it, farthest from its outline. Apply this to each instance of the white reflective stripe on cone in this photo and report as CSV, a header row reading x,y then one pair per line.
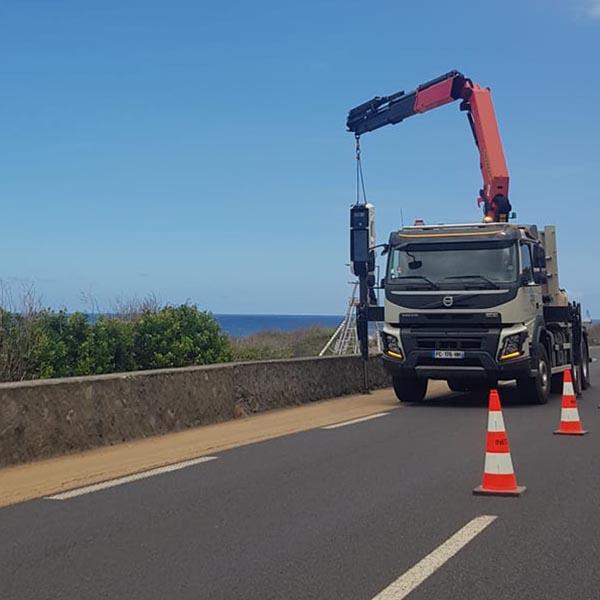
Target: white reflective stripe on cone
x,y
495,421
569,414
498,463
568,389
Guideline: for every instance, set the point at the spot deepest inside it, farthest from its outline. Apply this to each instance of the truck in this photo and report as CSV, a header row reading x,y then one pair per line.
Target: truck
x,y
475,303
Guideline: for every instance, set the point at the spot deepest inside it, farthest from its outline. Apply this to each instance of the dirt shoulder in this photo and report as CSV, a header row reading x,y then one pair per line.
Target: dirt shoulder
x,y
41,478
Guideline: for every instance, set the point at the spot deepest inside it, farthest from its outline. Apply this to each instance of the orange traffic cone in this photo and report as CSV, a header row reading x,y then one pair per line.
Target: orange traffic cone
x,y
498,474
570,424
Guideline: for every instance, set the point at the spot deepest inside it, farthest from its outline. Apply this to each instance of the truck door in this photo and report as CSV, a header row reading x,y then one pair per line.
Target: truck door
x,y
531,289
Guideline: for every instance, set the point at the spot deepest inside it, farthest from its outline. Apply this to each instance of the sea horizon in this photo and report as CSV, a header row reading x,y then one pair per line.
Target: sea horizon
x,y
238,325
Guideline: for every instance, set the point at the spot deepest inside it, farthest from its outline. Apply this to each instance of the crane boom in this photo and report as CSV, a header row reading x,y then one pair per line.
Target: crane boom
x,y
476,101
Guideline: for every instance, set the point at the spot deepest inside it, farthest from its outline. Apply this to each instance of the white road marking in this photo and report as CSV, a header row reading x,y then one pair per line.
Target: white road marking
x,y
96,487
359,420
416,575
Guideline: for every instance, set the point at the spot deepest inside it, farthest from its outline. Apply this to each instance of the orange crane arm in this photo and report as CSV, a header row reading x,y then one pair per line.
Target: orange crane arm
x,y
476,101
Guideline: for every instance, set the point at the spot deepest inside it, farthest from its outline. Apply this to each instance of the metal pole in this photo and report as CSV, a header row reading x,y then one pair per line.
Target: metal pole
x,y
362,323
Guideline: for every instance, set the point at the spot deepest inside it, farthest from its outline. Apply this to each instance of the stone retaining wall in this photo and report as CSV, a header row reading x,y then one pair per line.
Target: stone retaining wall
x,y
40,419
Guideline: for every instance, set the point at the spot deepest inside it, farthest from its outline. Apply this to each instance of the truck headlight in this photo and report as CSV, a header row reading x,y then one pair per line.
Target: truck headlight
x,y
391,346
513,346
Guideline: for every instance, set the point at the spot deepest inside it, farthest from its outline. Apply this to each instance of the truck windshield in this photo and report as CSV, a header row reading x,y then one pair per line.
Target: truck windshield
x,y
454,264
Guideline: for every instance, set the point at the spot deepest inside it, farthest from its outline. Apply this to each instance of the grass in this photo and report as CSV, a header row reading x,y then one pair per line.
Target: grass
x,y
266,345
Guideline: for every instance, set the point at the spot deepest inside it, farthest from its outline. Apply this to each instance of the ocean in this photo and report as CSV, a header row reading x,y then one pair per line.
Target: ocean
x,y
240,325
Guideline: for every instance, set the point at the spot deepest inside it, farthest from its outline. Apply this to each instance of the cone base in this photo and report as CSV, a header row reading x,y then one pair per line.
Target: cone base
x,y
582,432
481,491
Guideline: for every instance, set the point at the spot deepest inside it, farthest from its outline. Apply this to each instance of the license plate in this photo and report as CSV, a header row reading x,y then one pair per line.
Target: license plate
x,y
448,354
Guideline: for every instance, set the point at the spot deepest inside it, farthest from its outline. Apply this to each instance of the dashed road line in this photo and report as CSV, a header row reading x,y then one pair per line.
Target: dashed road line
x,y
353,421
88,489
426,567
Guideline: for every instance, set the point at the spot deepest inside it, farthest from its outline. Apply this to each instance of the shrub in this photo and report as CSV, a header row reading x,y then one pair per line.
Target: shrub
x,y
42,343
16,345
49,352
45,343
178,337
108,348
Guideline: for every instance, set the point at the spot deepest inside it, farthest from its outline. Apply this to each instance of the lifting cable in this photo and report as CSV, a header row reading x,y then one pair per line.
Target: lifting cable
x,y
360,181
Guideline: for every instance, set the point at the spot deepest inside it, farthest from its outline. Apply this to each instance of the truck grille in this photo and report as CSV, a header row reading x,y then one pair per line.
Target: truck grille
x,y
427,343
419,344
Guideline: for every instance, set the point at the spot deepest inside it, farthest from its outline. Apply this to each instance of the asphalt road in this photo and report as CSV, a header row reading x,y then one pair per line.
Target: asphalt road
x,y
331,513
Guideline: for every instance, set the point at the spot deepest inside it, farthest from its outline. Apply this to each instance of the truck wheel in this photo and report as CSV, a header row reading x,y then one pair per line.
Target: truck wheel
x,y
537,389
577,379
585,367
409,389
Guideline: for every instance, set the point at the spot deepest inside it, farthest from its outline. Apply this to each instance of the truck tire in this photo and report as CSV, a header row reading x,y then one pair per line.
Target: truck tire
x,y
536,390
409,389
585,367
577,377
580,380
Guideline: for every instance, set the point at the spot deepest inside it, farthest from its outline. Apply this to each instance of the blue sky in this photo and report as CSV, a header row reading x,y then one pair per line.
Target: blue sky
x,y
197,150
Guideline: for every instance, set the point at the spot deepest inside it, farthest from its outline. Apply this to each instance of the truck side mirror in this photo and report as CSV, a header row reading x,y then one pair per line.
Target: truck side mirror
x,y
382,282
539,257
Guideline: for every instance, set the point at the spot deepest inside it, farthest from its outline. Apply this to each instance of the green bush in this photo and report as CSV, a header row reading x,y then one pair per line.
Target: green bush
x,y
57,341
43,343
178,337
66,345
50,343
108,348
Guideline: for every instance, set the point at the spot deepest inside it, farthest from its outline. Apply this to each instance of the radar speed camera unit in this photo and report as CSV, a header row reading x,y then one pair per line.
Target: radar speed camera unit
x,y
362,257
362,239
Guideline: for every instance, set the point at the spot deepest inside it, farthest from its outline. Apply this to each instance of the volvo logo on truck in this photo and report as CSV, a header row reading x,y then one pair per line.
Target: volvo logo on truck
x,y
448,301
